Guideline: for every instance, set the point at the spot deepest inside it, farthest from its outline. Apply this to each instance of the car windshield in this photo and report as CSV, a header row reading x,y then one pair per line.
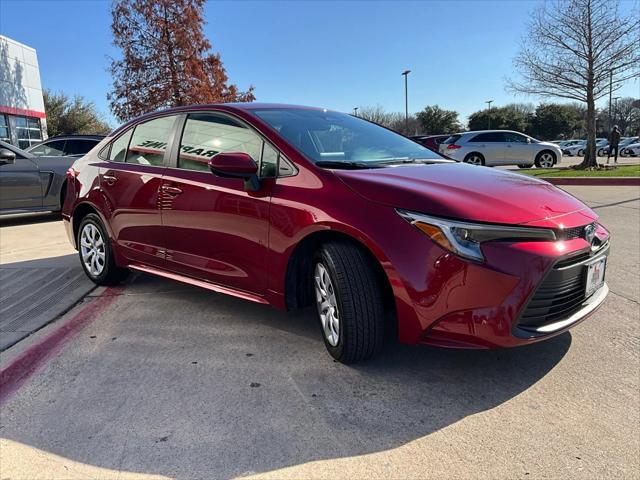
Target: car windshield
x,y
331,138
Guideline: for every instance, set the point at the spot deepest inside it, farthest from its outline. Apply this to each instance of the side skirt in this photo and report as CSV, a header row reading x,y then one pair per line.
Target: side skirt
x,y
199,283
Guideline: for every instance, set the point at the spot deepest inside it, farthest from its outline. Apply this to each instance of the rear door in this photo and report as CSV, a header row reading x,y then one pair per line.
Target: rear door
x,y
491,145
20,185
130,181
214,229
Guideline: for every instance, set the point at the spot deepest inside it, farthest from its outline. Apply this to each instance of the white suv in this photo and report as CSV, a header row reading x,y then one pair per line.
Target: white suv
x,y
501,147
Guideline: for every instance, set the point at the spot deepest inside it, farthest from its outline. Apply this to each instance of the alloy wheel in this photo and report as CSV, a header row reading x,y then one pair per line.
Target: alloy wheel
x,y
474,160
546,160
327,305
92,249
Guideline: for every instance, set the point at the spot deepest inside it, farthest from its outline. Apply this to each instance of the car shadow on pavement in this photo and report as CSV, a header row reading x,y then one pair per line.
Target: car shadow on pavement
x,y
178,381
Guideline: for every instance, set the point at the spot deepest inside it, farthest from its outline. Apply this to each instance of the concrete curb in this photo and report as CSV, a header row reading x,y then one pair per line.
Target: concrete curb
x,y
18,369
613,181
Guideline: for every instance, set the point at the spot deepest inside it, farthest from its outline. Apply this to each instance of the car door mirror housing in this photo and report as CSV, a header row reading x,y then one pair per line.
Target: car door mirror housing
x,y
7,157
236,165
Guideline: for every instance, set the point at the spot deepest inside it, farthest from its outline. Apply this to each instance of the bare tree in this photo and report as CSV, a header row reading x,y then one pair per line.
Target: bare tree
x,y
573,50
379,115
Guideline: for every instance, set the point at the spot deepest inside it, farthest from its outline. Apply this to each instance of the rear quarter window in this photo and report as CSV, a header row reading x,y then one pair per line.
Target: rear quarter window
x,y
452,139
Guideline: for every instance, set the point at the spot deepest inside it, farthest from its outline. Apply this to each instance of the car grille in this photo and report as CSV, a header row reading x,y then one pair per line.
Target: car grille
x,y
560,294
575,232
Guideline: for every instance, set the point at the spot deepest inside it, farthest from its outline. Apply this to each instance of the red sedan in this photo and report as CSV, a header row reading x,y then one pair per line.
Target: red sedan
x,y
295,206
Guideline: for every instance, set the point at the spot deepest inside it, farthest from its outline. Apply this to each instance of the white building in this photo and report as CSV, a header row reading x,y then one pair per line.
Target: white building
x,y
22,115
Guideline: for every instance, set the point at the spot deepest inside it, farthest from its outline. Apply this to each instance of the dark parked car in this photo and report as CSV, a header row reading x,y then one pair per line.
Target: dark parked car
x,y
295,206
29,183
432,142
65,145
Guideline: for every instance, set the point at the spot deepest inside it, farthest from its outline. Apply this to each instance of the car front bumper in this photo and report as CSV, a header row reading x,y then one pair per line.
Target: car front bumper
x,y
524,293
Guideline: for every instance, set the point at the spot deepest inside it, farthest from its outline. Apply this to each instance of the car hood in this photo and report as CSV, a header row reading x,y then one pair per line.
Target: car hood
x,y
461,191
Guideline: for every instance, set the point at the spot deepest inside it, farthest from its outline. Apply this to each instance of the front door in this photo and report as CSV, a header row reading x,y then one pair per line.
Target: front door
x,y
20,185
130,182
214,229
518,150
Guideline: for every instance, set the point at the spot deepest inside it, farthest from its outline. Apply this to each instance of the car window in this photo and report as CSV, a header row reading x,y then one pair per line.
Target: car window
x,y
269,162
488,137
79,147
119,147
452,139
514,137
206,134
53,148
149,141
326,136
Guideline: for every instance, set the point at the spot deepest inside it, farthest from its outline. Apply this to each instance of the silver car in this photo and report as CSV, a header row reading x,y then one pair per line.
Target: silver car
x,y
29,183
501,147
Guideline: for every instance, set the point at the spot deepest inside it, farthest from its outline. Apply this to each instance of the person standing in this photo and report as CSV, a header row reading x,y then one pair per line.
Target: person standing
x,y
614,141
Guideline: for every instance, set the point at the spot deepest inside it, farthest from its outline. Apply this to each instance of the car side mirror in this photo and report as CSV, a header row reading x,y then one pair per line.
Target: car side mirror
x,y
7,157
236,165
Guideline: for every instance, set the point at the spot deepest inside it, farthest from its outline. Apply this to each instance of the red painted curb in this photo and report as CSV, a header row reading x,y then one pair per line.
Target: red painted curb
x,y
19,370
613,181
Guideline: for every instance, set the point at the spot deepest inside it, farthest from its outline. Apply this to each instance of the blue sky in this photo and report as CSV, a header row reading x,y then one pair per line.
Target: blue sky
x,y
332,54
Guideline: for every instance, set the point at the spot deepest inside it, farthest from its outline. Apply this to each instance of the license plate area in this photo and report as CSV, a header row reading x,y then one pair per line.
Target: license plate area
x,y
595,275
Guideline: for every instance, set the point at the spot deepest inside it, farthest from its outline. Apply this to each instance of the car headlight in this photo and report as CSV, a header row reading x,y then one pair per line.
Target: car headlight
x,y
464,239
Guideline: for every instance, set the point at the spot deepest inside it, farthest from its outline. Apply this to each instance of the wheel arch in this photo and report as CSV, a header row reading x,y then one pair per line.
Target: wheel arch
x,y
79,212
298,287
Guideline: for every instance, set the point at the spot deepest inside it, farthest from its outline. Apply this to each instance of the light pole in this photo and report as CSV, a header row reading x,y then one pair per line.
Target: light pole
x,y
489,102
406,101
355,111
615,110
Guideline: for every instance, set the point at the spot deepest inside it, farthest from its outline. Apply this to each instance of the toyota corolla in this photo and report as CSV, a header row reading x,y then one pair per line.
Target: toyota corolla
x,y
295,206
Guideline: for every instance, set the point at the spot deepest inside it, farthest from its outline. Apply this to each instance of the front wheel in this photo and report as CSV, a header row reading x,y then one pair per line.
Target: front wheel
x,y
349,302
545,160
96,254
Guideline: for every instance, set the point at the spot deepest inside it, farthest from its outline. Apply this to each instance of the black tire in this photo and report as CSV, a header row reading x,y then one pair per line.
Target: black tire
x,y
110,274
359,301
524,166
539,158
470,157
580,153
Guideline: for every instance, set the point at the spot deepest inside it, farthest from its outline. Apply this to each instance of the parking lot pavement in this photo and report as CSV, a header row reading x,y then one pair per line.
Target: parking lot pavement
x,y
169,381
40,276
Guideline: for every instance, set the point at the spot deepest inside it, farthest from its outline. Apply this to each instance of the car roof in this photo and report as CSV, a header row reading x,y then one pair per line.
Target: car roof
x,y
239,106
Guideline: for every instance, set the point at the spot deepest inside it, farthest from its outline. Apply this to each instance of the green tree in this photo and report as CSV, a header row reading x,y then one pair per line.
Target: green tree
x,y
75,115
434,120
510,117
555,120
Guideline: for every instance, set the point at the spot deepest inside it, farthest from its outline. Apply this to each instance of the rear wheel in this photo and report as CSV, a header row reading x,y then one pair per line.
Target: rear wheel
x,y
580,153
474,159
96,254
349,302
545,159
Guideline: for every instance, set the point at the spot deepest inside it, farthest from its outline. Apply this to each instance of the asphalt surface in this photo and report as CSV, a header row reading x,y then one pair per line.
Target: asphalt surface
x,y
170,381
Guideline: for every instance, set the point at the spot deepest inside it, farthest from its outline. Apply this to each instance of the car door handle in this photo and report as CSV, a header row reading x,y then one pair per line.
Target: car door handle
x,y
171,190
110,179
